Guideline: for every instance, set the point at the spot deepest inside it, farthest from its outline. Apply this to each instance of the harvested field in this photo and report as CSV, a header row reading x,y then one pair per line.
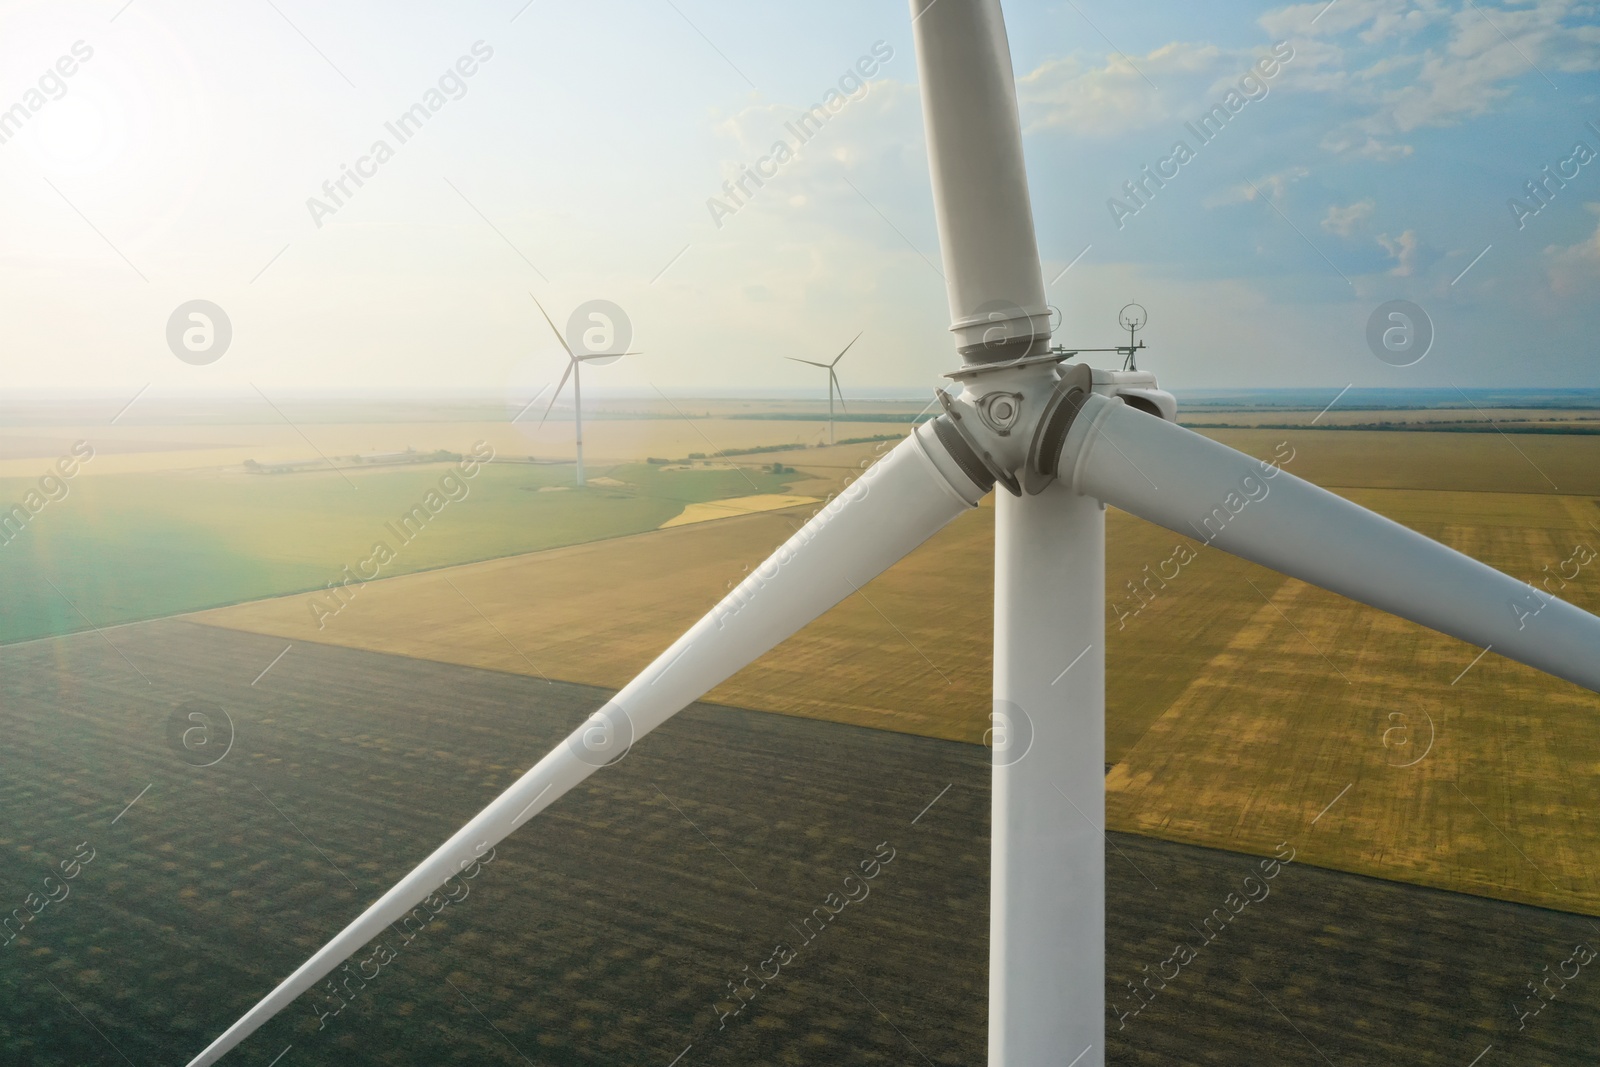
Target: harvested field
x,y
605,931
1196,664
739,505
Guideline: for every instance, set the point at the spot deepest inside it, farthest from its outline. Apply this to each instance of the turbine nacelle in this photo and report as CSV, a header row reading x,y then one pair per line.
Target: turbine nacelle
x,y
1010,420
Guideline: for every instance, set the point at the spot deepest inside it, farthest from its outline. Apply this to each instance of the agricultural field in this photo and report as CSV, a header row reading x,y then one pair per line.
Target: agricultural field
x,y
1238,699
608,930
740,505
118,548
1517,421
156,436
598,613
1474,775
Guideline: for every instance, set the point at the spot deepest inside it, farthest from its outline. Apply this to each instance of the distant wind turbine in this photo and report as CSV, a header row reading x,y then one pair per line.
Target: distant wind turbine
x,y
572,371
833,380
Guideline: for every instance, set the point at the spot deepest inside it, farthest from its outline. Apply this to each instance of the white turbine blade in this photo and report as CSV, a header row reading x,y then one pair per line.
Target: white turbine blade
x,y
896,505
846,348
1201,489
833,383
571,363
807,362
980,188
553,329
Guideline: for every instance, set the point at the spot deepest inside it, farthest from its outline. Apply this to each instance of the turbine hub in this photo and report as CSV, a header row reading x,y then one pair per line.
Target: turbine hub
x,y
1010,421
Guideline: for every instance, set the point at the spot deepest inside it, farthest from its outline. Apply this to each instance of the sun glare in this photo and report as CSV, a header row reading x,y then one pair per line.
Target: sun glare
x,y
79,132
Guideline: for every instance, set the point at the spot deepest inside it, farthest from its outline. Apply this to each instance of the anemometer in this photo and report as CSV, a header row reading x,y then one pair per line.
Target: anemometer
x,y
1132,318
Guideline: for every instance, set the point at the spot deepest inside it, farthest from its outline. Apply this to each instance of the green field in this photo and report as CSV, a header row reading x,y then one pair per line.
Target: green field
x,y
124,547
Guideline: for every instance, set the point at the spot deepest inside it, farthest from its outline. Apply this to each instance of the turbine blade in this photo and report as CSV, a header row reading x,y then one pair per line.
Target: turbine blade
x,y
553,329
840,356
985,216
895,506
531,402
571,363
1260,512
833,383
605,355
807,362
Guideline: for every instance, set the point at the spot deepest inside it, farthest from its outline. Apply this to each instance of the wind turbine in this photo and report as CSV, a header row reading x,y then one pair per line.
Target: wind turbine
x,y
833,380
574,367
1063,443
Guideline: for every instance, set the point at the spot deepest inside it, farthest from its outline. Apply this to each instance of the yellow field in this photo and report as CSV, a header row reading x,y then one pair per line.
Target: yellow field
x,y
1465,415
739,505
1485,463
598,613
1241,703
1311,693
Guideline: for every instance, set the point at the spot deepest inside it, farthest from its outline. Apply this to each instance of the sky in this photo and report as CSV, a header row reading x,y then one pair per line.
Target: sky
x,y
186,159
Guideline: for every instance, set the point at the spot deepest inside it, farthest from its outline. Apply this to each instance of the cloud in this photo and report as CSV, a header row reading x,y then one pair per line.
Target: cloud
x,y
1321,18
1091,101
874,136
1086,98
1574,270
1402,66
1478,55
1346,220
1344,143
1403,250
1273,186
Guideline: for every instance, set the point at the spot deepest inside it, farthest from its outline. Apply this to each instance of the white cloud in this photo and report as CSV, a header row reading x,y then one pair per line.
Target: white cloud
x,y
876,133
1088,99
1345,143
1575,269
1326,19
1346,220
1486,52
1403,250
1273,186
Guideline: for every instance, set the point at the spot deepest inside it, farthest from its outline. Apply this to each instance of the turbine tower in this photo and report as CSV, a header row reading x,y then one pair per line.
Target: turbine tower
x,y
574,371
833,380
1062,443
